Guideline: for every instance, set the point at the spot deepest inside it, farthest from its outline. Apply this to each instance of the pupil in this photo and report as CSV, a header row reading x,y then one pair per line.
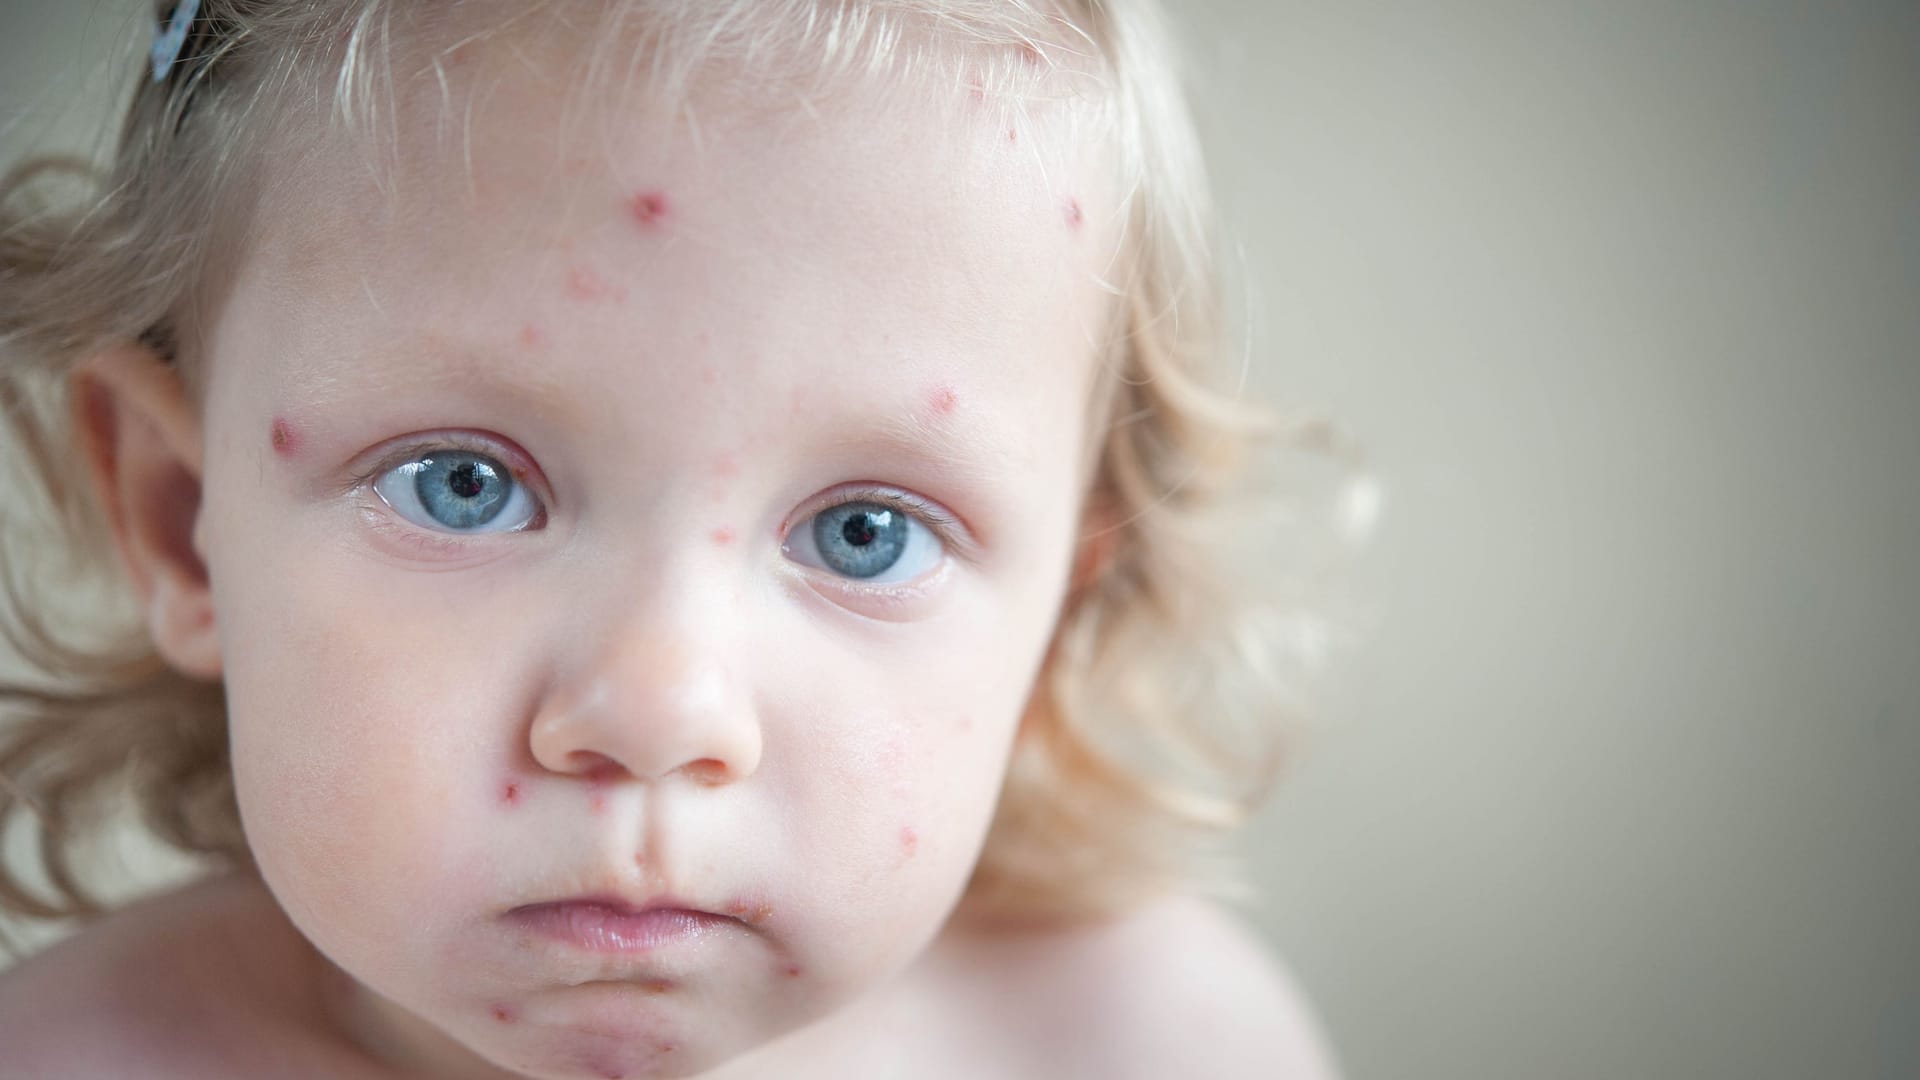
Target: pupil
x,y
858,530
463,481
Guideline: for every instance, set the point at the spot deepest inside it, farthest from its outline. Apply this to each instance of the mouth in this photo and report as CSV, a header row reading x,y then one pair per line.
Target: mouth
x,y
611,926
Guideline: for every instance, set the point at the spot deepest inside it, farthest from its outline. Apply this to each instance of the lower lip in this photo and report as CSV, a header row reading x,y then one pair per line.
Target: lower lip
x,y
603,928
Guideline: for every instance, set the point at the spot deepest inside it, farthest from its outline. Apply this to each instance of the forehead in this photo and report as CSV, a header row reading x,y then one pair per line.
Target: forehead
x,y
867,237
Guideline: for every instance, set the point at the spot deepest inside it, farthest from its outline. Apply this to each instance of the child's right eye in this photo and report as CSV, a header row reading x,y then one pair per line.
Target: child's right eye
x,y
458,491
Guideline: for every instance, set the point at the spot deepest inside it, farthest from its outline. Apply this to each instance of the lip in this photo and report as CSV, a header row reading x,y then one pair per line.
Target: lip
x,y
611,926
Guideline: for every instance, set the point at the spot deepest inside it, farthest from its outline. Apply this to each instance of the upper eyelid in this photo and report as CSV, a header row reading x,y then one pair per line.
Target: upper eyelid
x,y
519,464
952,532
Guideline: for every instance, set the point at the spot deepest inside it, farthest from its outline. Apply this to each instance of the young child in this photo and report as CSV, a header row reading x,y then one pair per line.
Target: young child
x,y
663,538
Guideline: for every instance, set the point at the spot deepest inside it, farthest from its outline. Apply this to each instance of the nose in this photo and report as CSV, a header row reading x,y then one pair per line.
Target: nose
x,y
656,697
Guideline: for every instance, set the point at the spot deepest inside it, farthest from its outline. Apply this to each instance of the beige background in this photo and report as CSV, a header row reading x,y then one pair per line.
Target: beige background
x,y
1624,299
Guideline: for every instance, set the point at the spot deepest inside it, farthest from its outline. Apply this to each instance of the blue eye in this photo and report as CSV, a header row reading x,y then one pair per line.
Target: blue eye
x,y
867,541
457,491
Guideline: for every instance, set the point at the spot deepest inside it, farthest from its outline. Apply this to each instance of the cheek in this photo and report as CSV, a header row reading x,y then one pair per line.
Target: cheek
x,y
351,727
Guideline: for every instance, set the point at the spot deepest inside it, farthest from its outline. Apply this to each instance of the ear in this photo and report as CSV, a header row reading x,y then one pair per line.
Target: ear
x,y
1093,554
141,441
1095,547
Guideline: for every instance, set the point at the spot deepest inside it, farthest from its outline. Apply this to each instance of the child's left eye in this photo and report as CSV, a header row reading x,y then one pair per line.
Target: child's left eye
x,y
879,539
458,491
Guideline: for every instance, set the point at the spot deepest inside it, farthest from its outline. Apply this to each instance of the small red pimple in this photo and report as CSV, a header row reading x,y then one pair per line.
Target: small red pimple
x,y
532,337
586,285
281,436
909,840
943,399
597,804
504,1014
793,971
647,208
1074,215
510,794
722,536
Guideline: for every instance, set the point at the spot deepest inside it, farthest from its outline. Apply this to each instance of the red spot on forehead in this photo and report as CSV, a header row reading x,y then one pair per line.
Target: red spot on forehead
x,y
282,437
647,208
1074,216
909,840
942,400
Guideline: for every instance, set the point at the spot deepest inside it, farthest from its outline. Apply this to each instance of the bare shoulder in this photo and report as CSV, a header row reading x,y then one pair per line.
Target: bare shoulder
x,y
191,983
1179,988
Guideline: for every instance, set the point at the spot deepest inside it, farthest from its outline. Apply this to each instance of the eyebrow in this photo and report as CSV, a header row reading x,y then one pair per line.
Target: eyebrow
x,y
971,454
424,361
966,452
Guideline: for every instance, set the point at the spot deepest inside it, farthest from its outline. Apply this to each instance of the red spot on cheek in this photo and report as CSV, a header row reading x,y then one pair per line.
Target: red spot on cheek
x,y
722,536
1074,216
793,971
510,793
647,208
533,337
505,1014
943,400
909,840
597,803
585,285
282,437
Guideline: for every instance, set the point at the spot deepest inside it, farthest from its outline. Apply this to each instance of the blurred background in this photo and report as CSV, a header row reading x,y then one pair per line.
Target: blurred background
x,y
1623,301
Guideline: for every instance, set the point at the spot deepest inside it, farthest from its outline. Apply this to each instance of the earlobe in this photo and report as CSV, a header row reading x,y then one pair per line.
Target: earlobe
x,y
140,438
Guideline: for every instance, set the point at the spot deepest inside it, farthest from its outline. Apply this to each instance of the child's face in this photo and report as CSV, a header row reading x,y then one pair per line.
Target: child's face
x,y
657,624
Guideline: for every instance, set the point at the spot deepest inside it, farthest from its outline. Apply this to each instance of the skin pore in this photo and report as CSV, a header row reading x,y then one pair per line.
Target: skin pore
x,y
661,354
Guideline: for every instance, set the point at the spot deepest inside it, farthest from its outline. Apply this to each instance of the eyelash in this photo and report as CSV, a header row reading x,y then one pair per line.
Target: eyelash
x,y
945,527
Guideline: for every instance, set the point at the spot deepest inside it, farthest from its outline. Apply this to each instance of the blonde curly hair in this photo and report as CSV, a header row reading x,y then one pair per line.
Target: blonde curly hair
x,y
1175,683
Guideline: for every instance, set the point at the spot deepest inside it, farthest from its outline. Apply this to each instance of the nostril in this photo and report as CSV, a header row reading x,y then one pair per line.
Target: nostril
x,y
599,768
707,771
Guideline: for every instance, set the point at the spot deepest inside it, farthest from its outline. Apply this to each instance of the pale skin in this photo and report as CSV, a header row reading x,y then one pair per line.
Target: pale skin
x,y
645,677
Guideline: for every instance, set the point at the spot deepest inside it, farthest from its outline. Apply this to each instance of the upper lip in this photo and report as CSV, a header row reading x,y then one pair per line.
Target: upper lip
x,y
622,905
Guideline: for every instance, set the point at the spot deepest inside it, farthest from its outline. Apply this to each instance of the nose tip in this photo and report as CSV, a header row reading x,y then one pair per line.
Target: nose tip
x,y
648,725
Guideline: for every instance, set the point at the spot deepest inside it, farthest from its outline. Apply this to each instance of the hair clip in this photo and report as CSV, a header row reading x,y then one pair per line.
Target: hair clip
x,y
170,35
